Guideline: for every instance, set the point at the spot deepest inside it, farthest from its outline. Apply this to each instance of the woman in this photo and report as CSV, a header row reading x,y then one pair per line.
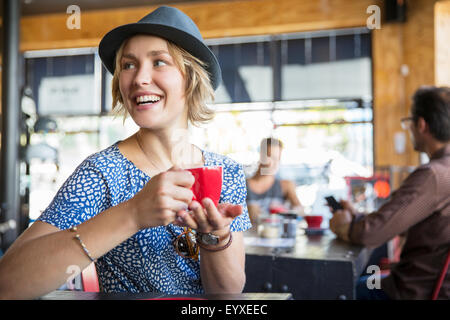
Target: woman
x,y
264,189
132,201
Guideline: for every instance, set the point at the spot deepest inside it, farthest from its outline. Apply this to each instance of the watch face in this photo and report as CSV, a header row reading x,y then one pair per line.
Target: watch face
x,y
209,239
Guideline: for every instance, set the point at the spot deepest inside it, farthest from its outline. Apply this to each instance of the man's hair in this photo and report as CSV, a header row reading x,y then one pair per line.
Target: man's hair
x,y
198,91
433,105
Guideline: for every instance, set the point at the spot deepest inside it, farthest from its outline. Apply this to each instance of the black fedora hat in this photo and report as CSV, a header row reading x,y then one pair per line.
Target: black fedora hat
x,y
168,23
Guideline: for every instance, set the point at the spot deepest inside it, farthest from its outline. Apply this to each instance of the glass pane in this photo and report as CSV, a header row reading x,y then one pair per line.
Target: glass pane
x,y
326,67
63,85
318,157
236,134
246,72
338,79
320,49
107,90
75,139
322,116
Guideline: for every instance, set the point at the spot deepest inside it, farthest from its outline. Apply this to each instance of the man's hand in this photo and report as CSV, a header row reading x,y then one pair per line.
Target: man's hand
x,y
347,205
340,223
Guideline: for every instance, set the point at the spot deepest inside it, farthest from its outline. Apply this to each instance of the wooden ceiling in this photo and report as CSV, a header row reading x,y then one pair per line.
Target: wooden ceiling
x,y
35,7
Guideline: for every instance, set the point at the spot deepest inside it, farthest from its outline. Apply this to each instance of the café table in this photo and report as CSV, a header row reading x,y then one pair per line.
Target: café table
x,y
314,267
81,295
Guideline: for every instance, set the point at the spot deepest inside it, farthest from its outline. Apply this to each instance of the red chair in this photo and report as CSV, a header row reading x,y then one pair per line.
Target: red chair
x,y
394,252
89,279
385,267
441,278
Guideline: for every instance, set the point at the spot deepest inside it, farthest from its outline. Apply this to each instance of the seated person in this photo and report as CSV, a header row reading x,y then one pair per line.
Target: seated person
x,y
264,189
129,207
420,208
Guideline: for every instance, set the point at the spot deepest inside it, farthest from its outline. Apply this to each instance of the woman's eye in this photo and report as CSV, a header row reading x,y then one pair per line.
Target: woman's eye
x,y
127,65
159,63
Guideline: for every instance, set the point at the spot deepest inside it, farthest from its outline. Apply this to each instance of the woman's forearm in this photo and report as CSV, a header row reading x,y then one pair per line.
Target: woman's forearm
x,y
224,271
37,266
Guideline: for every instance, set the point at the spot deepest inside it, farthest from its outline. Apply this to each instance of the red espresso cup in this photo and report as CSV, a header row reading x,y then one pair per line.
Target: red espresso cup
x,y
208,183
314,222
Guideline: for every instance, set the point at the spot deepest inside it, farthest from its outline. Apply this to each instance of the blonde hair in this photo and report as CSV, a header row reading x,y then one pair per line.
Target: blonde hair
x,y
198,89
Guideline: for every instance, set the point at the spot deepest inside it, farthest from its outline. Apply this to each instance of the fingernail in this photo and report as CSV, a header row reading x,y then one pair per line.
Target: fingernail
x,y
179,220
206,202
194,205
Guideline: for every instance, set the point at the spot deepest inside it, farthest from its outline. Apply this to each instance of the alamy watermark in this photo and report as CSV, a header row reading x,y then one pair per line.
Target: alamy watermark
x,y
73,282
374,20
74,20
374,280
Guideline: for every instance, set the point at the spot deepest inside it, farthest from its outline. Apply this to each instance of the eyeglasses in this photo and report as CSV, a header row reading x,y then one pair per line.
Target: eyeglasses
x,y
404,122
185,244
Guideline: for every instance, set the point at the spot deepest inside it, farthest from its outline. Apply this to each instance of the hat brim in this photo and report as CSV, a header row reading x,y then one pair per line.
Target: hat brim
x,y
113,39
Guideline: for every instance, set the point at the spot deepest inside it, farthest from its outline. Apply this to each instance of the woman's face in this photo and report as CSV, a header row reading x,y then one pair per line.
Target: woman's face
x,y
151,85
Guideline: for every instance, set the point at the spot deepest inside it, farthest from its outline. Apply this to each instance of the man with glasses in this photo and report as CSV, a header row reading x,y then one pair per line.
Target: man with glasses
x,y
420,208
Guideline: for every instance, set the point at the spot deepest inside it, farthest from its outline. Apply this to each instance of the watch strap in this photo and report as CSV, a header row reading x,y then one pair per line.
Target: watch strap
x,y
214,248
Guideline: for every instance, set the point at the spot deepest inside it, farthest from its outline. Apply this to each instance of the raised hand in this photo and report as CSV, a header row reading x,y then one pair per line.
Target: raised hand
x,y
208,218
162,197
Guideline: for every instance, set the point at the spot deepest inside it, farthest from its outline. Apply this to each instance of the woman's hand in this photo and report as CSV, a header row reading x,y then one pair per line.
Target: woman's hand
x,y
161,198
209,218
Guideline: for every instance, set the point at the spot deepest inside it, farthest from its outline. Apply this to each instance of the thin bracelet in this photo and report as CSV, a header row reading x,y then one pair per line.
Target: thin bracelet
x,y
77,236
217,249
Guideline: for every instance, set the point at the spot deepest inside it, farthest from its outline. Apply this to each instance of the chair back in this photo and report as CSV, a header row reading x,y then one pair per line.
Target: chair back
x,y
441,278
89,279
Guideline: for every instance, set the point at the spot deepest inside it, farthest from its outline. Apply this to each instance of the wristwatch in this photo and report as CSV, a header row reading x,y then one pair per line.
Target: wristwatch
x,y
207,239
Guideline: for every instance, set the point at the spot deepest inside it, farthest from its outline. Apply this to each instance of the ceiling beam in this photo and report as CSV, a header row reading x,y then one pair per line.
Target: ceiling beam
x,y
216,19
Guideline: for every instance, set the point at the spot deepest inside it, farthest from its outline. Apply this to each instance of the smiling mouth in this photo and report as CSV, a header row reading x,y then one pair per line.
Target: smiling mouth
x,y
148,99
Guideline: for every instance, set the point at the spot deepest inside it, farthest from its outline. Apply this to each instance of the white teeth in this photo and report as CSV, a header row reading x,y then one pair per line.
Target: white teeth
x,y
149,98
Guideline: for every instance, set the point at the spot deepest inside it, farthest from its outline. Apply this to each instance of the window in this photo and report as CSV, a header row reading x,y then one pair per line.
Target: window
x,y
72,93
246,72
315,65
64,82
311,90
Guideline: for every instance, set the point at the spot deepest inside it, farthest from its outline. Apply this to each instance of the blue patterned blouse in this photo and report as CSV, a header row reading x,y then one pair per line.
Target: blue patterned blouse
x,y
146,262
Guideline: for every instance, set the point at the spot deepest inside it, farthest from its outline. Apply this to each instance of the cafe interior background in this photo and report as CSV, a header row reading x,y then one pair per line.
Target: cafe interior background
x,y
315,74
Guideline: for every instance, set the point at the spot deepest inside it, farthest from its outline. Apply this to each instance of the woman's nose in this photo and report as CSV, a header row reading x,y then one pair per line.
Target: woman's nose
x,y
143,76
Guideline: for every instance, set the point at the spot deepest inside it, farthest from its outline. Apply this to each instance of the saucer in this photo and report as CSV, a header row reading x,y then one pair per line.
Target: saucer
x,y
314,231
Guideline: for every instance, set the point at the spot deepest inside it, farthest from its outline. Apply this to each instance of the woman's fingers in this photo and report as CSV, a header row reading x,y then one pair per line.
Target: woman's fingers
x,y
184,219
215,219
230,210
180,194
200,216
176,186
208,218
163,196
182,178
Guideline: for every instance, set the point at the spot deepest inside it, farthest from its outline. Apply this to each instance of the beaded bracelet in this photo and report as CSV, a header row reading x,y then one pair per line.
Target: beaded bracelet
x,y
77,236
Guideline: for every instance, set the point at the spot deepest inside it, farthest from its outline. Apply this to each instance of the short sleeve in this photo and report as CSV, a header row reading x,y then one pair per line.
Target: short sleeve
x,y
235,191
82,196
